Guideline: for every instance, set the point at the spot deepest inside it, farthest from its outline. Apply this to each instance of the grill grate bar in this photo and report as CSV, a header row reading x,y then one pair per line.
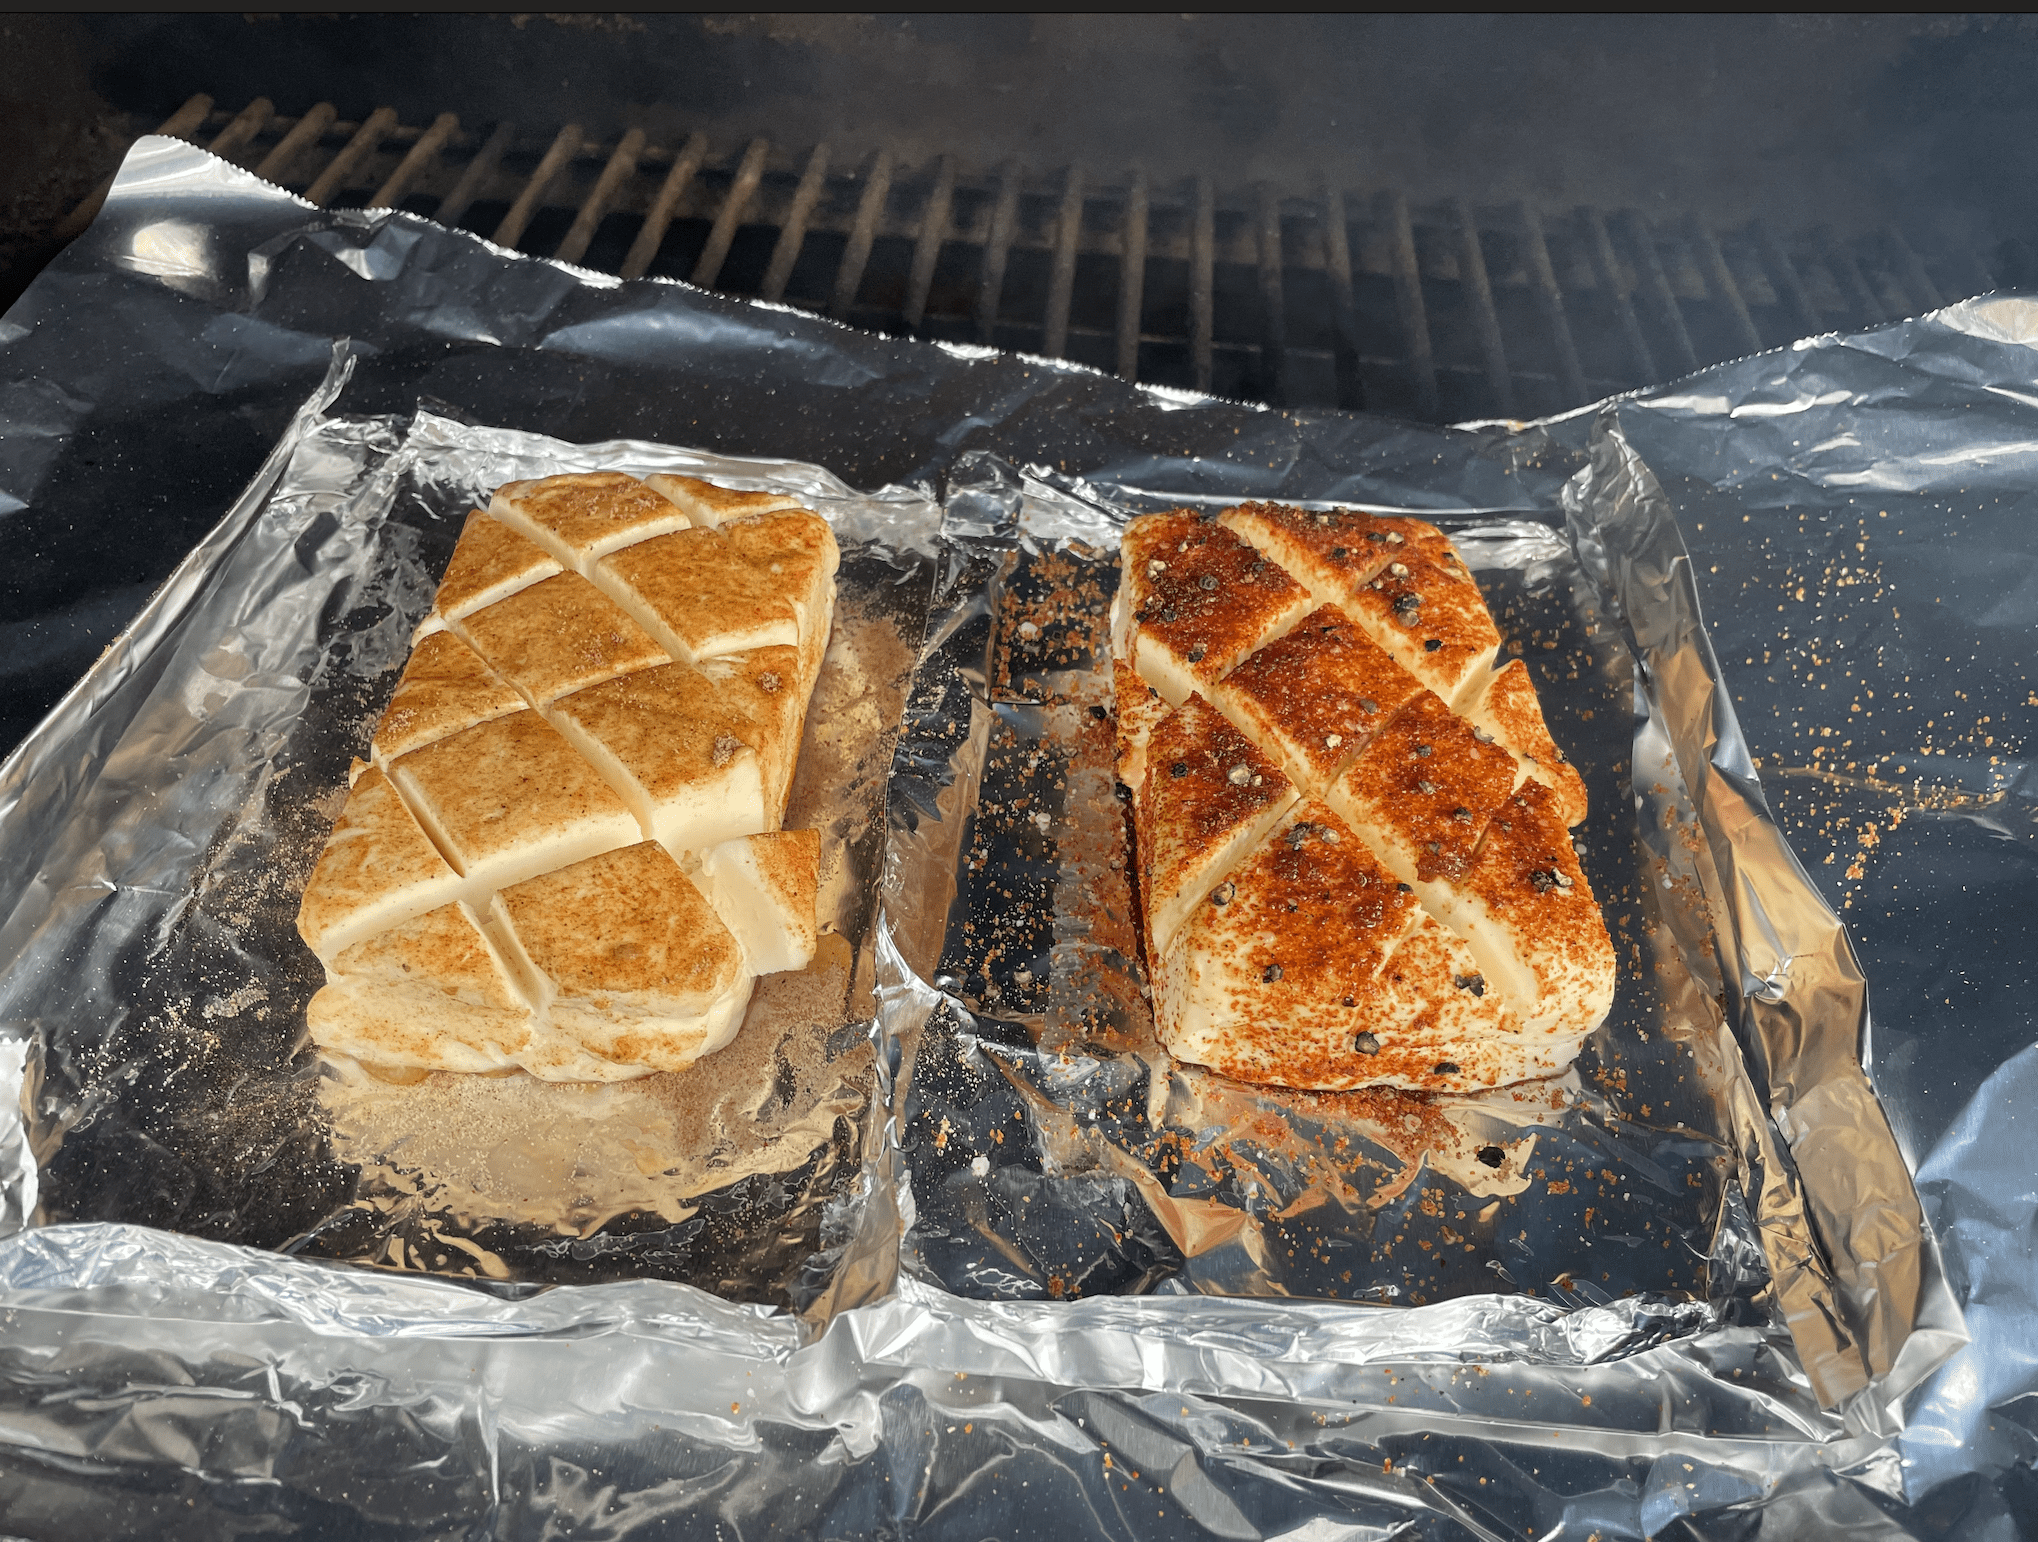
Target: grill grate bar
x,y
246,124
304,133
1061,284
1408,301
1550,299
1785,280
476,176
856,256
1720,278
1273,306
730,215
1923,291
1606,265
417,163
793,234
367,139
658,218
1656,283
1472,272
622,164
1337,261
1318,297
1202,282
928,241
1840,263
1132,277
997,250
564,147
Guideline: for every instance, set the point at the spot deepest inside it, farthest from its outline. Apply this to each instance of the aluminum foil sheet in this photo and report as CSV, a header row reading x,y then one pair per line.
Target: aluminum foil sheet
x,y
1054,1147
155,968
160,1383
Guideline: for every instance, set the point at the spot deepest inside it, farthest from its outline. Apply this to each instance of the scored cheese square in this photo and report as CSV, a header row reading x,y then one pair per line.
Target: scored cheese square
x,y
1508,712
699,594
510,798
1210,795
711,505
379,869
557,636
445,688
702,754
1421,795
470,794
1316,696
577,518
630,958
1314,967
1330,552
1430,615
797,551
1196,600
764,685
432,992
1467,964
490,562
1530,918
764,889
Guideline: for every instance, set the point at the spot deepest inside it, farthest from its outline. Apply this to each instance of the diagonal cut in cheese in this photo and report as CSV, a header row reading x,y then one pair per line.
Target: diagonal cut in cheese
x,y
711,505
558,636
764,889
578,518
378,870
1320,970
1210,795
686,749
700,594
445,688
490,562
1421,795
1316,696
1504,707
631,960
509,798
1530,918
1329,551
798,553
1429,614
431,993
1195,600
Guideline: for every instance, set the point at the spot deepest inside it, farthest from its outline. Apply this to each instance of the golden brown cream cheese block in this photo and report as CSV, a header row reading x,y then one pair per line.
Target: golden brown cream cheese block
x,y
563,854
1354,858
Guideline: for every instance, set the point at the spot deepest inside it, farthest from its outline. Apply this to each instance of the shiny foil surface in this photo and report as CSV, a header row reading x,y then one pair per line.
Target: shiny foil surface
x,y
1807,579
166,1083
1055,1149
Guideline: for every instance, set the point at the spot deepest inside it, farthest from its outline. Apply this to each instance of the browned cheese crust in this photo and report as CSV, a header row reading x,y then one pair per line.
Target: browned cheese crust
x,y
491,562
516,880
558,636
1210,793
579,517
1318,695
1419,917
445,688
1202,600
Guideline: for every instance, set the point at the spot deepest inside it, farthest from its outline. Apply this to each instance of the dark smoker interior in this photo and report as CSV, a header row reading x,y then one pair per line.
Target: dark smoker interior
x,y
1441,217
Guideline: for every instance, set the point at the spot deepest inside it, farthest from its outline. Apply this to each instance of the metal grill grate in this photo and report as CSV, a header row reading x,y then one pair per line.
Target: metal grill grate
x,y
1301,295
